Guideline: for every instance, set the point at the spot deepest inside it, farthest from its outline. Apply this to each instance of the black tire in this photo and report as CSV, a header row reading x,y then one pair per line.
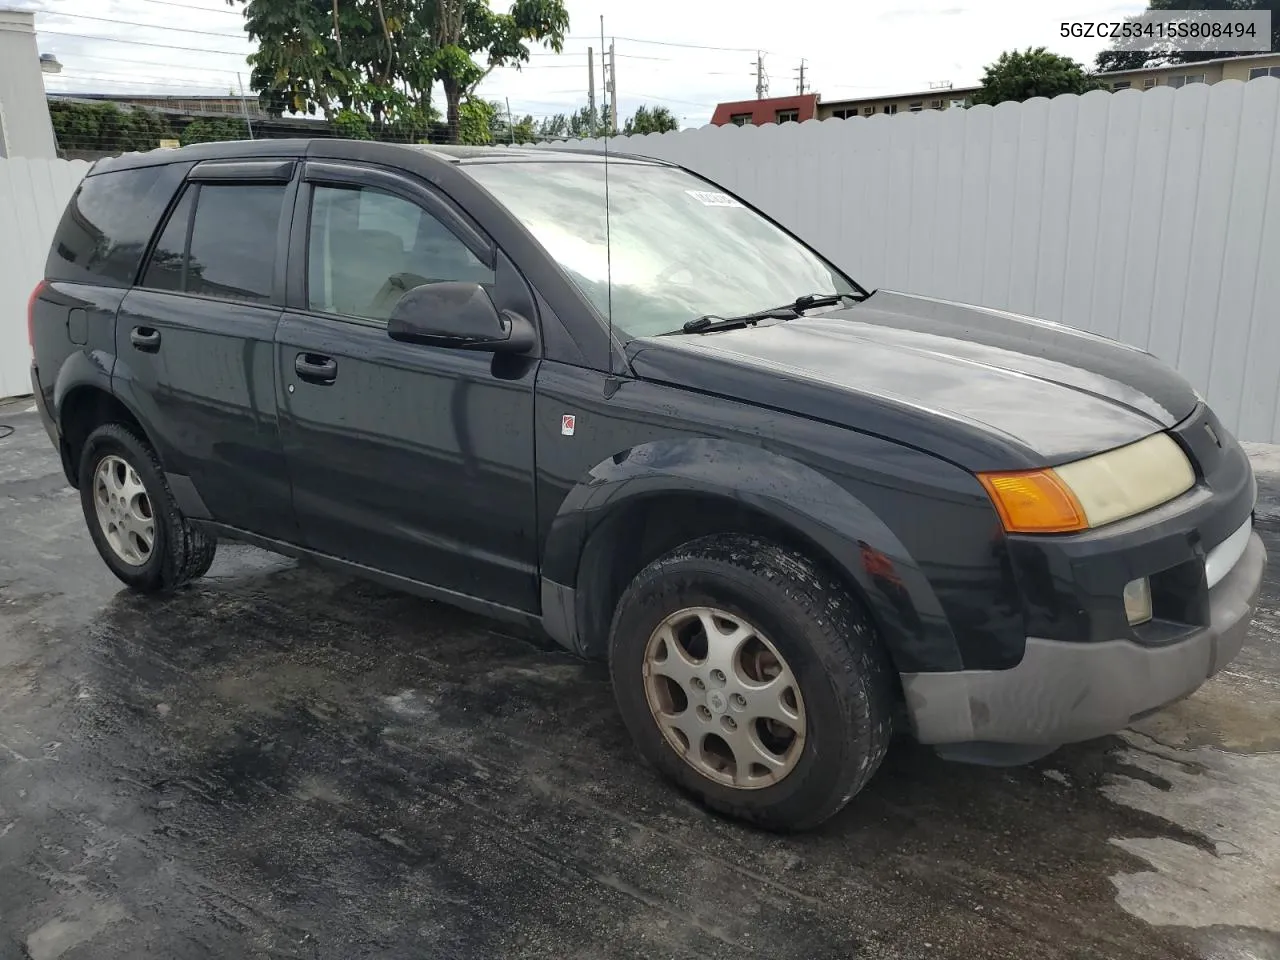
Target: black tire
x,y
180,552
822,632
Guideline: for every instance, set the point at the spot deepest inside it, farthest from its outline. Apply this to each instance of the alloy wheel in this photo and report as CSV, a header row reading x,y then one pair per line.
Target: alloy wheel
x,y
124,510
724,698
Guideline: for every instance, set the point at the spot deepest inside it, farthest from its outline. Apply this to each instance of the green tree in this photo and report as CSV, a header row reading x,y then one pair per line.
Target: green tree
x,y
475,122
644,120
212,129
465,29
106,127
1023,74
525,131
351,125
580,124
1136,59
374,58
553,127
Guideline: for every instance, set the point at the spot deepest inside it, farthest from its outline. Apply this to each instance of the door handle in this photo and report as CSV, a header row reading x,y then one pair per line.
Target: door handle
x,y
315,368
146,339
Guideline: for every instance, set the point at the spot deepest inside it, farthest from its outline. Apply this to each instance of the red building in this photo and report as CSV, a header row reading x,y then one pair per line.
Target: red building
x,y
799,108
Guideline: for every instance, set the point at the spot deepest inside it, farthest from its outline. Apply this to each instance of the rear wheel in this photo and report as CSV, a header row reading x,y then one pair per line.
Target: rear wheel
x,y
752,680
132,516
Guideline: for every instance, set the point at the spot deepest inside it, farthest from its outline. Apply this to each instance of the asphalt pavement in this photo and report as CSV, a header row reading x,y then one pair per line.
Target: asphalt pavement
x,y
279,762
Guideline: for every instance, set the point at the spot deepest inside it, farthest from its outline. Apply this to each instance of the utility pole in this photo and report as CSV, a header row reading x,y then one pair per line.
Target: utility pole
x,y
604,78
613,88
511,127
591,85
244,105
802,62
762,83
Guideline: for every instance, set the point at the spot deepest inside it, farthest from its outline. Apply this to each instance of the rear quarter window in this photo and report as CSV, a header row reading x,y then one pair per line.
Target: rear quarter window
x,y
108,224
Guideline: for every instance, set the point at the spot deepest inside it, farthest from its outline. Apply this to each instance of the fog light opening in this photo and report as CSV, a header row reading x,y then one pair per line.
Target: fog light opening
x,y
1137,601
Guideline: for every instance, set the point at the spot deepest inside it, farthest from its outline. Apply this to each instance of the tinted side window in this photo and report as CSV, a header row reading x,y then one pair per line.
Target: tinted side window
x,y
108,222
367,248
232,248
233,242
164,270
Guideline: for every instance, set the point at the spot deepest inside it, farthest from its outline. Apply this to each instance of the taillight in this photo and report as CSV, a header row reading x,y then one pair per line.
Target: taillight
x,y
31,313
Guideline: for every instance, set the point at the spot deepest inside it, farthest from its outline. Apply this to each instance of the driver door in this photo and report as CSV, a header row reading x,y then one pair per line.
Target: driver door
x,y
410,459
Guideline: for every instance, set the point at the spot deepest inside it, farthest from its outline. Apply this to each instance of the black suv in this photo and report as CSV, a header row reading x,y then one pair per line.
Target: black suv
x,y
791,513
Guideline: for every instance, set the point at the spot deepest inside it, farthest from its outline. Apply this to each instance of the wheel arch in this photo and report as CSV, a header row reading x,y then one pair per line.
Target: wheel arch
x,y
640,504
83,400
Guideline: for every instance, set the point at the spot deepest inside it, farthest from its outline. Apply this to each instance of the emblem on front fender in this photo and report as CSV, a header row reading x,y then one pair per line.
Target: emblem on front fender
x,y
568,423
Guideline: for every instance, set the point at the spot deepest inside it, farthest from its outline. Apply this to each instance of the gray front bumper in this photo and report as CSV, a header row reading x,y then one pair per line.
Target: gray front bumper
x,y
1064,692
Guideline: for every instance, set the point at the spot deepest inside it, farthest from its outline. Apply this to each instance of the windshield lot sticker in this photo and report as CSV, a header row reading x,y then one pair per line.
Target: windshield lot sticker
x,y
711,198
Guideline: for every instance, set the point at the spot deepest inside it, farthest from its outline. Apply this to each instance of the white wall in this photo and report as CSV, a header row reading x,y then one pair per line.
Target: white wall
x,y
33,194
1152,217
25,129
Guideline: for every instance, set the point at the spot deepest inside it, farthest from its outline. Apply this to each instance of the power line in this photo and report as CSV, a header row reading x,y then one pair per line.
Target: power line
x,y
689,103
148,26
141,43
121,78
672,43
187,6
151,63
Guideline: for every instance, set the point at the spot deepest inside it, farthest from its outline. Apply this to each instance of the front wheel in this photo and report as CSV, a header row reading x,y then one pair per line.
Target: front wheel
x,y
132,516
752,680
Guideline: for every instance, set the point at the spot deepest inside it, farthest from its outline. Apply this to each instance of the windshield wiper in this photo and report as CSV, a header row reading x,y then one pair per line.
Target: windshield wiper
x,y
787,311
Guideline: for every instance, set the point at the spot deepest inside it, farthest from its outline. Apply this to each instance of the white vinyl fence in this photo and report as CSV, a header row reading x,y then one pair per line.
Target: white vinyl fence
x,y
1153,217
32,196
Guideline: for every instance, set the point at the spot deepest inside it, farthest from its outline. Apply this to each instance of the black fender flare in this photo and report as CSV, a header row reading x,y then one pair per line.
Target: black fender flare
x,y
99,371
84,368
862,548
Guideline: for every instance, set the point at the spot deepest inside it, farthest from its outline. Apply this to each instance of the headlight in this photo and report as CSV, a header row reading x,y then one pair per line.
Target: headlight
x,y
1091,492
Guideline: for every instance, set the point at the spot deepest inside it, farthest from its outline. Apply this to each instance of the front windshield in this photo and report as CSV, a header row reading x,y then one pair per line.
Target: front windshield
x,y
681,249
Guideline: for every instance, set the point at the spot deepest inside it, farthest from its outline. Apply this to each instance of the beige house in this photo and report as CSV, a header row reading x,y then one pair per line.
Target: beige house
x,y
1206,71
943,98
935,99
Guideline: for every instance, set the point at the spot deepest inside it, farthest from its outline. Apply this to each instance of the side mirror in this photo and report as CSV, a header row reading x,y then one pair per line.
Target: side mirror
x,y
460,316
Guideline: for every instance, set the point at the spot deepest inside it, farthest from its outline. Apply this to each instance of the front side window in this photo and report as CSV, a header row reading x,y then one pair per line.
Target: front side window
x,y
680,249
228,250
367,248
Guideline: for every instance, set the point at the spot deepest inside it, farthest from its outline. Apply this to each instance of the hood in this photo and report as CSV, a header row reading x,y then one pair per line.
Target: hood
x,y
986,388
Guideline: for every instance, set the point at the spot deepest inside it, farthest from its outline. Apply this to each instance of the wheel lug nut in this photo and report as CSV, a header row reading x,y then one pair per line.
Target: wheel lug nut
x,y
717,676
698,684
703,712
731,723
739,700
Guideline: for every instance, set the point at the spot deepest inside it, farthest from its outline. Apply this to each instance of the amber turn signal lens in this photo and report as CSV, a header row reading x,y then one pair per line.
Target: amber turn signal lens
x,y
1034,501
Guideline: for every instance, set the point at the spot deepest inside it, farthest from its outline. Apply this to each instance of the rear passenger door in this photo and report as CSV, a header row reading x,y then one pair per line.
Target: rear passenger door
x,y
194,340
410,459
